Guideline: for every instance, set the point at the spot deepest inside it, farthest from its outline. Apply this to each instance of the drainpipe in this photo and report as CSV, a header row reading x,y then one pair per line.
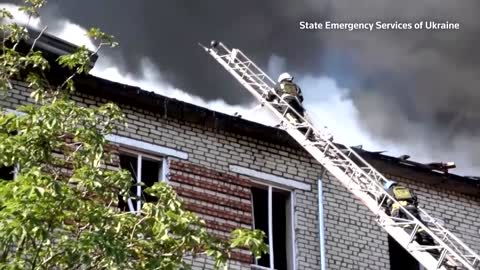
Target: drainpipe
x,y
321,224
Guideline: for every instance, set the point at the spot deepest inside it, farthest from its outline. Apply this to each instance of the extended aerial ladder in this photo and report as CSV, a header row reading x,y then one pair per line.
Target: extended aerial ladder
x,y
359,177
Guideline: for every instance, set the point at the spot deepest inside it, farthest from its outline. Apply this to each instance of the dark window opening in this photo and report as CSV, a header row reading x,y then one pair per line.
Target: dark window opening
x,y
129,163
260,215
279,222
150,174
400,259
7,173
280,200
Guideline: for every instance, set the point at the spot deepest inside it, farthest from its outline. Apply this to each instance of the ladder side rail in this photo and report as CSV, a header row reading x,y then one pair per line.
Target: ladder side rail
x,y
368,177
356,171
266,91
345,158
242,69
261,86
451,235
259,71
418,222
354,166
426,259
254,78
454,241
373,172
354,174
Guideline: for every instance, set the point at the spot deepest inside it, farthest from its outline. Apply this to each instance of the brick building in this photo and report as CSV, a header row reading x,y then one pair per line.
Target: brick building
x,y
236,173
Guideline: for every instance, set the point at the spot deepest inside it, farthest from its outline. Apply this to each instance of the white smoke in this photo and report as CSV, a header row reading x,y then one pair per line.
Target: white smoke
x,y
276,66
74,33
21,17
151,78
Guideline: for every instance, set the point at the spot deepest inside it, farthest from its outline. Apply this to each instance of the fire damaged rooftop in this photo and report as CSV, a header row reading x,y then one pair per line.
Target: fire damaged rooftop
x,y
435,173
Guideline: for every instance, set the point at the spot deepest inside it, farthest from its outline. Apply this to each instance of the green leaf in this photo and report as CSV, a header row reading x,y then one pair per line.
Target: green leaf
x,y
5,14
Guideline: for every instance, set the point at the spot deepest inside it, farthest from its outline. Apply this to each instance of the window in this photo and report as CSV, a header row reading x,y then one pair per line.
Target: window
x,y
400,259
7,173
146,170
272,213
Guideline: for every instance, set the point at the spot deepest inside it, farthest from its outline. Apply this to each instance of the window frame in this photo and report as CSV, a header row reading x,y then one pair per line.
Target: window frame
x,y
392,246
281,183
140,155
290,219
149,150
15,169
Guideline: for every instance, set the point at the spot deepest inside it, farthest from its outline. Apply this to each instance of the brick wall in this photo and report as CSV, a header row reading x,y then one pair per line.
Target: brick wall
x,y
353,240
223,200
217,150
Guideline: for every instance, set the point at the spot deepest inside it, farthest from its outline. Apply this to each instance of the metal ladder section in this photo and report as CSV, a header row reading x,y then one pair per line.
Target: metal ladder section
x,y
359,177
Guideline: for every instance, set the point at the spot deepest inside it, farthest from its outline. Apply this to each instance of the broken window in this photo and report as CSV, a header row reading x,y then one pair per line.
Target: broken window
x,y
7,173
272,214
400,259
145,170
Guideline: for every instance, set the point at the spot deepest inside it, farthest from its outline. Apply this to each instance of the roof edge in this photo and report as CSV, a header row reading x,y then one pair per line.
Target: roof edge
x,y
170,107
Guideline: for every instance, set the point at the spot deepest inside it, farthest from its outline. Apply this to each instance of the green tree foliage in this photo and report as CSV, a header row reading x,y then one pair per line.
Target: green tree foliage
x,y
59,212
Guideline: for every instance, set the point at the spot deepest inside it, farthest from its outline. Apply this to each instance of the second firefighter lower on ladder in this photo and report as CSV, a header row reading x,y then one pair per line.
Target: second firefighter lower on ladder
x,y
407,198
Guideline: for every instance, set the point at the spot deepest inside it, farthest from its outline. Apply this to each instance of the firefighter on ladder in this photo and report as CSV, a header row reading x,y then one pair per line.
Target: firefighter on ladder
x,y
406,198
291,93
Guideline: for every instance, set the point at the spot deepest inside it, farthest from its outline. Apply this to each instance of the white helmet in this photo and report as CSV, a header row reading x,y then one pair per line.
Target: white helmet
x,y
285,76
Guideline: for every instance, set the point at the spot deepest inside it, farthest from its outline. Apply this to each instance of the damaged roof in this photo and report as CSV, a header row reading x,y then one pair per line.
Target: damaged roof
x,y
177,109
168,107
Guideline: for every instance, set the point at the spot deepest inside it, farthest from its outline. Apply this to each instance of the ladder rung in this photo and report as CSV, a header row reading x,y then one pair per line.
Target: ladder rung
x,y
424,247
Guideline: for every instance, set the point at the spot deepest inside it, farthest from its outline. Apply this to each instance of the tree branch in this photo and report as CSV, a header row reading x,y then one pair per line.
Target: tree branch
x,y
51,257
38,37
34,263
135,227
78,68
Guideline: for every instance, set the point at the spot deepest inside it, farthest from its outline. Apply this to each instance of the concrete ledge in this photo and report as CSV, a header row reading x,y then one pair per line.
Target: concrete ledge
x,y
147,147
288,183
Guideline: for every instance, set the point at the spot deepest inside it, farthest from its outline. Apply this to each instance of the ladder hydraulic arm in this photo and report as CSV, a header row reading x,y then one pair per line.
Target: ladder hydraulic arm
x,y
359,177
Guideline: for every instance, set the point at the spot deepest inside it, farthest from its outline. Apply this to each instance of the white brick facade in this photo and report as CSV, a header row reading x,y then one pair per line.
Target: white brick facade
x,y
353,240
